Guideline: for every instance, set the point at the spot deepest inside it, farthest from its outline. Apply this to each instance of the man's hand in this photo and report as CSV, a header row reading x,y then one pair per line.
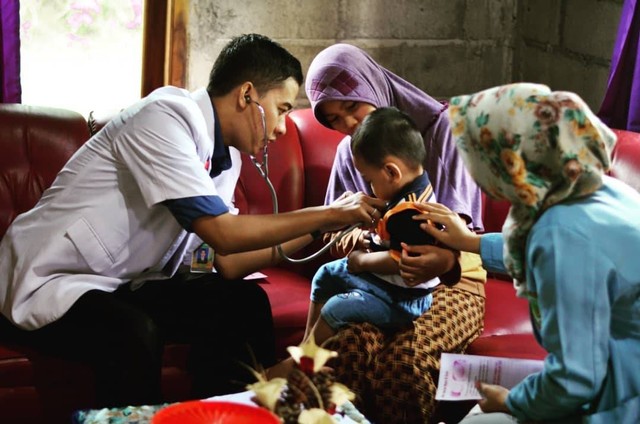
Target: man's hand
x,y
494,397
453,229
353,208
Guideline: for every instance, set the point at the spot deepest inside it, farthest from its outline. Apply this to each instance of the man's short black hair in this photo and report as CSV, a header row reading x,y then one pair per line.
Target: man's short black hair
x,y
255,58
388,131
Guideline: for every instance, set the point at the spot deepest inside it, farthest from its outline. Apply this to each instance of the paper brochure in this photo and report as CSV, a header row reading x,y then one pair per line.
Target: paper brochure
x,y
458,374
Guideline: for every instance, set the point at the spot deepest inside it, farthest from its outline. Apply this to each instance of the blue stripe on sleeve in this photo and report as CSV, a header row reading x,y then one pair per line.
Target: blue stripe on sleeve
x,y
188,209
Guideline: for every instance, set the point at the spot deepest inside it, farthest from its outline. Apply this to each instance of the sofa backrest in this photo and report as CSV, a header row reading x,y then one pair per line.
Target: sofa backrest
x,y
286,173
299,165
625,164
319,145
35,143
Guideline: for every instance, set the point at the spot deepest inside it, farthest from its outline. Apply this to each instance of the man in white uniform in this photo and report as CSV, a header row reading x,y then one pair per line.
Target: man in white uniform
x,y
92,271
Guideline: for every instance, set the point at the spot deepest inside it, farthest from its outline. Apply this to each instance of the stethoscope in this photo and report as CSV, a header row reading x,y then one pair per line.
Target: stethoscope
x,y
263,170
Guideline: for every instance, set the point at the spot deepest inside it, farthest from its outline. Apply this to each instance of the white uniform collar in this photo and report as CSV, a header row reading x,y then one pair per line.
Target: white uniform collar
x,y
202,99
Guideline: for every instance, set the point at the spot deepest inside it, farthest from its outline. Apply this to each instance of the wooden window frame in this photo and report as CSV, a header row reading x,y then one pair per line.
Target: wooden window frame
x,y
164,48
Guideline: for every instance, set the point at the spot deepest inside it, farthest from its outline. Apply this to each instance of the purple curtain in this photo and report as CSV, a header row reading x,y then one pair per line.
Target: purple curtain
x,y
621,105
10,90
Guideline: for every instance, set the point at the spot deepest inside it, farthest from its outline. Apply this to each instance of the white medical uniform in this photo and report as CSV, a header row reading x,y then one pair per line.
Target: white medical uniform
x,y
101,223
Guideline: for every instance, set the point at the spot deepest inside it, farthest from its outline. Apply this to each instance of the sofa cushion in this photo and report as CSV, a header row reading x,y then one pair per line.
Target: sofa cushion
x,y
522,346
507,327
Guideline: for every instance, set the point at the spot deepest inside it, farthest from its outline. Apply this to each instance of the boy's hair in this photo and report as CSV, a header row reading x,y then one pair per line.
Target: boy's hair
x,y
388,131
255,58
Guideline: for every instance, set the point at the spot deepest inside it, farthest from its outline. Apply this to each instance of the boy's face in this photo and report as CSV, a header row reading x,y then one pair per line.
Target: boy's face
x,y
381,182
345,115
277,103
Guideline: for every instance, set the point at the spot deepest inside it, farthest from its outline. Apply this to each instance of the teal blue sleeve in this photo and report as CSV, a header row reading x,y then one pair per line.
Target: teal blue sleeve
x,y
570,275
491,248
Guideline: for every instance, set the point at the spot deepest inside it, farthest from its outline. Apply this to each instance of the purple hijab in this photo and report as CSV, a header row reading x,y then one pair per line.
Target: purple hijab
x,y
345,72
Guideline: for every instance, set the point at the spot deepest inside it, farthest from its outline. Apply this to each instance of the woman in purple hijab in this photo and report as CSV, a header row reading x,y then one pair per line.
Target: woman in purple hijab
x,y
394,375
347,74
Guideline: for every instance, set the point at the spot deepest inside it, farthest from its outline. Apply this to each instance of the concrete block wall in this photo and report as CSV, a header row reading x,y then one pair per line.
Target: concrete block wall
x,y
445,47
567,44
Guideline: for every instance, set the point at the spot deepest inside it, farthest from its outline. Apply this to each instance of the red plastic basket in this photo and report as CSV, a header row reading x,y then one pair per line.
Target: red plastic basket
x,y
198,412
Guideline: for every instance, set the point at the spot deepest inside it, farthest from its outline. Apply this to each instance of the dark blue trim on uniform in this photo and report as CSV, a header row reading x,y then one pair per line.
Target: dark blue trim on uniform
x,y
221,159
188,209
417,186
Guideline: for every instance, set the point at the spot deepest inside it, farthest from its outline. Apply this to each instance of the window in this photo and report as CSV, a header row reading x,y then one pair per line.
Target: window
x,y
81,54
100,55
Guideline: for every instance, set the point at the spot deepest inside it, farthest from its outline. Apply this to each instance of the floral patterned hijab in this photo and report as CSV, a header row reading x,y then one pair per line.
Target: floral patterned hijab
x,y
533,147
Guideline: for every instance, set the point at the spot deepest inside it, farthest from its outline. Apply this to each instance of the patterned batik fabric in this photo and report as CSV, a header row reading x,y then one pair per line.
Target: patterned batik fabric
x,y
533,147
395,375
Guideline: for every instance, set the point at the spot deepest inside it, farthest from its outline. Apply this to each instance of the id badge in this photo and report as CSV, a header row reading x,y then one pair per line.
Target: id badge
x,y
202,259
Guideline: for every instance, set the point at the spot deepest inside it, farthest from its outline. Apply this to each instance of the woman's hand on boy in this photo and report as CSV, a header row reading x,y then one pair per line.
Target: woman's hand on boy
x,y
451,229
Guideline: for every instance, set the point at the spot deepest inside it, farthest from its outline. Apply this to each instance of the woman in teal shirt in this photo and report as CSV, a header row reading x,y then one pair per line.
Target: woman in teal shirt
x,y
571,243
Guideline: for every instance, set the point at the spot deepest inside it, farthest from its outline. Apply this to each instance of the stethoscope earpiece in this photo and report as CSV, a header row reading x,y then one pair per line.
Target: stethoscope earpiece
x,y
263,167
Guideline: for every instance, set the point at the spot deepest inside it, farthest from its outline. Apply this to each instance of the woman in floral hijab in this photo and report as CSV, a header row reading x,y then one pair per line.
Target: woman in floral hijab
x,y
570,242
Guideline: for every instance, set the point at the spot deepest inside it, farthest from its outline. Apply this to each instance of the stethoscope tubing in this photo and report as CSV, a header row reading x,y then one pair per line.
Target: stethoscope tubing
x,y
263,170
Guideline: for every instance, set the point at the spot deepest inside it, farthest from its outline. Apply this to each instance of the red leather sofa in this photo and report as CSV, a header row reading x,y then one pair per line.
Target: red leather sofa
x,y
34,144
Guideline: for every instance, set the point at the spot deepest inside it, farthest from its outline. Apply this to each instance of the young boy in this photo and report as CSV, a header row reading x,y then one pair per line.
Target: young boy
x,y
388,151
